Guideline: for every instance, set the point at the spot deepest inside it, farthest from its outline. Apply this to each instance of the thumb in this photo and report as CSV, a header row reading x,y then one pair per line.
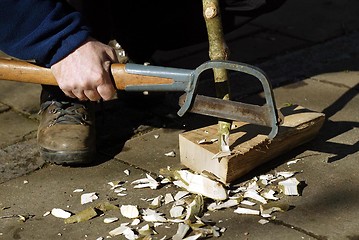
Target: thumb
x,y
113,55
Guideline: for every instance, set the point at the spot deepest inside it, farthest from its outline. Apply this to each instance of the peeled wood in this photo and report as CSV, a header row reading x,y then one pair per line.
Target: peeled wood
x,y
249,144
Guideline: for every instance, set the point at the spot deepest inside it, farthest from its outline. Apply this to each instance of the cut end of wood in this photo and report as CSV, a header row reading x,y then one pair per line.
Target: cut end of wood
x,y
249,144
210,12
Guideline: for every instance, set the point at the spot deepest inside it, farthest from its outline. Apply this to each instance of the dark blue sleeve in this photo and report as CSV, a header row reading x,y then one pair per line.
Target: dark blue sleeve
x,y
43,30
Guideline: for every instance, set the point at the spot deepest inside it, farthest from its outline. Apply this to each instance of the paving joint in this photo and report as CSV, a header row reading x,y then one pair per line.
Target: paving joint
x,y
285,34
25,114
105,154
26,137
298,229
230,38
333,84
4,108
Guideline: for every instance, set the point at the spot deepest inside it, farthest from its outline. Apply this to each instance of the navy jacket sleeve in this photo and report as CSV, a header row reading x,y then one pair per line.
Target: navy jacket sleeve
x,y
43,30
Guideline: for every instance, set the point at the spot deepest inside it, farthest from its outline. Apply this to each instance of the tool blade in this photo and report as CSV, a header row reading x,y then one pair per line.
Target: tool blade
x,y
230,110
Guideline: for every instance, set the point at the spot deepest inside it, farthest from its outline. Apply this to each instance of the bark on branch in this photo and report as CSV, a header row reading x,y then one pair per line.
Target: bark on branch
x,y
218,50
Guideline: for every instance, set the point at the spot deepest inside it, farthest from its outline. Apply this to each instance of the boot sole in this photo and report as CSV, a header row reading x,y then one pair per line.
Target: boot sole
x,y
67,157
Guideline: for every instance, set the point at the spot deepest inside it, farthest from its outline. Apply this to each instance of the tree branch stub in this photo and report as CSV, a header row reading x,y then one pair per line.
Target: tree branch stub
x,y
218,50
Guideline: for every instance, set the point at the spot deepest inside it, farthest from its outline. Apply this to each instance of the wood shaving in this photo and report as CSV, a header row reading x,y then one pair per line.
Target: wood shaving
x,y
170,154
110,220
202,185
148,182
248,211
289,187
129,211
60,213
88,197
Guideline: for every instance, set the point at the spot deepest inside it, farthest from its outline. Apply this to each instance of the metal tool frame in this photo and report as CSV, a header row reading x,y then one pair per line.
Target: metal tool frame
x,y
187,80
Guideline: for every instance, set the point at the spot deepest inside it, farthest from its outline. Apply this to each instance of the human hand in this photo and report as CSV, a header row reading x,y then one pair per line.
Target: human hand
x,y
85,73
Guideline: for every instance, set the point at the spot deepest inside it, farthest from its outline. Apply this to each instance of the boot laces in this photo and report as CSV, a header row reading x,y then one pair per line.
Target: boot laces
x,y
67,112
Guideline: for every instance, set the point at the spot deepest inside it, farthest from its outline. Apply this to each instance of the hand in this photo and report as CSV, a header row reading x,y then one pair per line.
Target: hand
x,y
85,73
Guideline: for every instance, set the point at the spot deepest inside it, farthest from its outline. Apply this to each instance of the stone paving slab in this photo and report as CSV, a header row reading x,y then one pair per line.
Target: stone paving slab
x,y
338,55
191,56
53,187
14,127
148,151
328,206
19,159
339,101
315,21
339,136
347,78
266,43
22,97
3,108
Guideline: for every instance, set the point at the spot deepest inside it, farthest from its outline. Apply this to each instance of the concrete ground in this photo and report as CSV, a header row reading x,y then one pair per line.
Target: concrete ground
x,y
309,50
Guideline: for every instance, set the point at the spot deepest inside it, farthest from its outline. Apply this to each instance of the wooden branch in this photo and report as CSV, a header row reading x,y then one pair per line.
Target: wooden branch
x,y
218,50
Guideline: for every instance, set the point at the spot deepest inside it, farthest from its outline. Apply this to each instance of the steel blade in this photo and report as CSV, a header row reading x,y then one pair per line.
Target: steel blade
x,y
230,110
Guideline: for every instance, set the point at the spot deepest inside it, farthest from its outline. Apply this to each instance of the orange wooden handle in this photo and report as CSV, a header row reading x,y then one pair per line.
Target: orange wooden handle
x,y
21,71
123,79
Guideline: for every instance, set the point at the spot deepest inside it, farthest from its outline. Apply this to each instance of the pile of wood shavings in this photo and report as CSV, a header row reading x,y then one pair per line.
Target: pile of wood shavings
x,y
257,196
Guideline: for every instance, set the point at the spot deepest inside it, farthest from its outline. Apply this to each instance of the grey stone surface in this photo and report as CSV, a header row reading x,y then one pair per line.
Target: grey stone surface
x,y
328,206
339,101
192,56
19,159
338,55
265,43
254,47
53,186
14,127
314,21
23,97
3,108
148,152
328,203
348,78
312,60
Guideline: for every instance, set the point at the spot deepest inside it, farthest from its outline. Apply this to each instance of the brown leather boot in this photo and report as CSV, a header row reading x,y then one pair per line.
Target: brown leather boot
x,y
66,133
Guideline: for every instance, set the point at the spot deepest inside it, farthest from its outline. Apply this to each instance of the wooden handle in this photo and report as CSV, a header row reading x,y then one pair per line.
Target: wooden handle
x,y
21,71
123,79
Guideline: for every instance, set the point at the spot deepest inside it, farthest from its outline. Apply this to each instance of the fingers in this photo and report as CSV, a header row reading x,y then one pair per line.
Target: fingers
x,y
92,95
107,89
112,55
79,94
86,73
84,95
69,94
106,92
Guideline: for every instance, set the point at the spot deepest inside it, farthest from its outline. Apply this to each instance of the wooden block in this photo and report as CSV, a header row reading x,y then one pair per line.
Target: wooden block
x,y
249,144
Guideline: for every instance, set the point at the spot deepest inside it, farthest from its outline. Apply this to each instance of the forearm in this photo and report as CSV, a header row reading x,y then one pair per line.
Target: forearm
x,y
45,31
